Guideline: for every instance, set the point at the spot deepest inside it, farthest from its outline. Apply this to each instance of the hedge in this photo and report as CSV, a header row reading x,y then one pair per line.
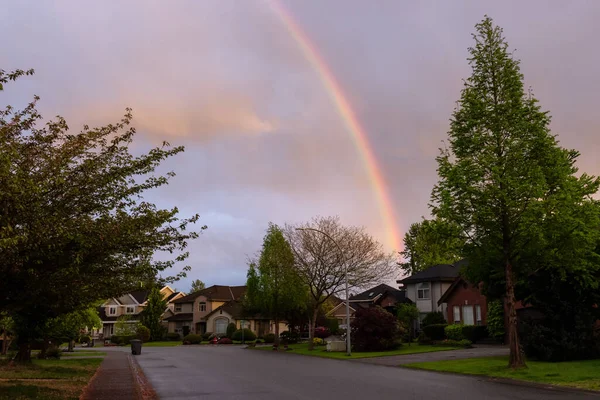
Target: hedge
x,y
192,339
248,335
269,338
435,331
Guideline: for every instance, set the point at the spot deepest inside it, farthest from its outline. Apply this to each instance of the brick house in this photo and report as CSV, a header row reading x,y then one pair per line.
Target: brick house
x,y
464,303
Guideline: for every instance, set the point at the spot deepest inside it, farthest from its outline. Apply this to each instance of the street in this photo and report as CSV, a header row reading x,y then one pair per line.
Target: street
x,y
231,372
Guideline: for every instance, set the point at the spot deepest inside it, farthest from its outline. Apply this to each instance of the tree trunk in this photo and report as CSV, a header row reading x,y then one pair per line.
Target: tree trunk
x,y
516,359
4,345
311,329
24,353
71,345
42,353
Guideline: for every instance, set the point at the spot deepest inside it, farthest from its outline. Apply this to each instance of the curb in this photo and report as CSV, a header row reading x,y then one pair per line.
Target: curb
x,y
143,388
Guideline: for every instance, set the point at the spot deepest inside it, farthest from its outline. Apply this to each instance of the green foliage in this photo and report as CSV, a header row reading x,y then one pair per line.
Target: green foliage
x,y
408,314
197,285
74,215
231,328
173,336
454,343
126,326
495,319
318,341
435,331
454,332
192,339
12,76
206,335
122,339
152,314
54,353
248,336
436,317
67,328
290,337
269,338
333,325
431,242
143,333
374,329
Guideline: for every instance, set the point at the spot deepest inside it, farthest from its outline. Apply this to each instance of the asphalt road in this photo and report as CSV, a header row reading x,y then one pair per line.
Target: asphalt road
x,y
231,372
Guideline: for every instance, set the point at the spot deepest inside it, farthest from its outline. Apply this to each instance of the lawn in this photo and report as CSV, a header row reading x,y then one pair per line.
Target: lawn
x,y
319,351
161,344
82,353
46,379
578,374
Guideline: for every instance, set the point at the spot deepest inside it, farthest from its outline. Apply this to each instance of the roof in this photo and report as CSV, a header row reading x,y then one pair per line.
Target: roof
x,y
140,295
450,290
440,272
378,290
215,293
171,296
180,317
235,308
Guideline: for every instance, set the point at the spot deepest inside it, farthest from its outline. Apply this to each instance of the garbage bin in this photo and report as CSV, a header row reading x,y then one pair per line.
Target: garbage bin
x,y
136,347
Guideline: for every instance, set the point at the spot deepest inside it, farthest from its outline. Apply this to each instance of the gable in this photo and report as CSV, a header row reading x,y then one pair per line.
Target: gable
x,y
126,299
111,302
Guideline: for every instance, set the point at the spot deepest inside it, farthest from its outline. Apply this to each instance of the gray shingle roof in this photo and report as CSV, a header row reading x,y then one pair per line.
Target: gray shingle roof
x,y
440,272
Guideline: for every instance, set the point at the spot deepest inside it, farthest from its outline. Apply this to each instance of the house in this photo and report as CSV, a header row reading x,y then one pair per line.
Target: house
x,y
212,309
130,304
381,295
426,288
464,303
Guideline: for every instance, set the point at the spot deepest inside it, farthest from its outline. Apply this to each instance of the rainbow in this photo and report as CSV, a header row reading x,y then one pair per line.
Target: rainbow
x,y
352,124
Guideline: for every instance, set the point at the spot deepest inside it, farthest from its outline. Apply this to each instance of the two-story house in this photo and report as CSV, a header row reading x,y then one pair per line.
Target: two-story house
x,y
130,304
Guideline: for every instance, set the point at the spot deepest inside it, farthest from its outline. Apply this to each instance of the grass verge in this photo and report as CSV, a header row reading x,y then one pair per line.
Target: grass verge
x,y
46,379
577,374
319,351
161,344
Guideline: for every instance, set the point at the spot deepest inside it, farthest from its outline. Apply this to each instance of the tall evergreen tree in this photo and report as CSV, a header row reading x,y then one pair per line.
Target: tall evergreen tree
x,y
504,177
152,314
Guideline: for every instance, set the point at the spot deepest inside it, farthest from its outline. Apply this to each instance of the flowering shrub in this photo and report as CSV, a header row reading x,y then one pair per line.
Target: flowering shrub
x,y
318,341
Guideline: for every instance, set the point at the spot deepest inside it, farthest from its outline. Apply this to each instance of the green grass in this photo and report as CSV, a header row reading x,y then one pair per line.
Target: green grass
x,y
578,374
319,351
161,344
81,353
46,379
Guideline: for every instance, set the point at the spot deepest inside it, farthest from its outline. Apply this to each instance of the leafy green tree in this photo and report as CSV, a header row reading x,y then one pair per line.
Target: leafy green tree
x,y
126,326
68,327
74,215
431,242
504,180
197,285
7,329
274,286
151,316
408,314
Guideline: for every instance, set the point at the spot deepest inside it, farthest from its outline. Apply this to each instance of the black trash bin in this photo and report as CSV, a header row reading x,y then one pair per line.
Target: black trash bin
x,y
136,347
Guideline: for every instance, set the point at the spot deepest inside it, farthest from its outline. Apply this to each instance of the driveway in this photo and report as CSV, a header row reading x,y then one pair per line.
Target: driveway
x,y
480,351
231,372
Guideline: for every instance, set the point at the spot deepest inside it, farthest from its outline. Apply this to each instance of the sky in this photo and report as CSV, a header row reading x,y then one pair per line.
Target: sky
x,y
264,140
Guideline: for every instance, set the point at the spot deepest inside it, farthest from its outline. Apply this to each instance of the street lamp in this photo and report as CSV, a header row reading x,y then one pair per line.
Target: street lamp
x,y
348,343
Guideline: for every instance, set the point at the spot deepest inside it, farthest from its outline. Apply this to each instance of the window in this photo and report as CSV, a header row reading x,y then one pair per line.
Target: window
x,y
221,326
468,315
112,310
478,314
456,314
202,307
177,307
423,291
130,310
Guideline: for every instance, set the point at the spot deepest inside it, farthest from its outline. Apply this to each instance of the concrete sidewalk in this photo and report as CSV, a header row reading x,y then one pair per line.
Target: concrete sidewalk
x,y
118,378
478,351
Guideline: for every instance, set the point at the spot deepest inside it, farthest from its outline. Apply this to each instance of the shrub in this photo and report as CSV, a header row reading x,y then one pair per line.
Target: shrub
x,y
212,336
231,328
474,333
173,336
374,329
121,340
143,333
454,332
206,336
193,338
333,325
249,336
318,341
270,338
453,343
259,341
225,341
85,339
435,331
290,337
322,332
495,320
53,352
424,339
434,318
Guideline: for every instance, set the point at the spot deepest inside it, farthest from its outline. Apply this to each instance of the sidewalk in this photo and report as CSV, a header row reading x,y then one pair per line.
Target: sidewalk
x,y
117,378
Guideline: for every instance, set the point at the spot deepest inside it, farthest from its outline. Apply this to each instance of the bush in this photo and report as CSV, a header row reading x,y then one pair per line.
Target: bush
x,y
453,343
173,336
333,325
193,338
212,336
53,352
424,339
122,340
85,339
270,338
206,336
435,331
374,329
290,337
225,341
475,333
231,328
495,320
249,336
454,332
259,341
434,318
318,341
143,333
322,332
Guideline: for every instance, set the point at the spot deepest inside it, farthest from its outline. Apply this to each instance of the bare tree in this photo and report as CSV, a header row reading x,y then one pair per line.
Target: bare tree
x,y
323,248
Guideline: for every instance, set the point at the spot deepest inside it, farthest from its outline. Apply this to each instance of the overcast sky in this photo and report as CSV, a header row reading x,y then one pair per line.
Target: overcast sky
x,y
263,139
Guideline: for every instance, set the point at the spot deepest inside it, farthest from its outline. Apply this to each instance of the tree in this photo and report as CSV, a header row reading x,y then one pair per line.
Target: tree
x,y
431,242
68,327
151,316
73,215
7,328
126,326
504,180
274,286
408,314
324,248
374,329
197,285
